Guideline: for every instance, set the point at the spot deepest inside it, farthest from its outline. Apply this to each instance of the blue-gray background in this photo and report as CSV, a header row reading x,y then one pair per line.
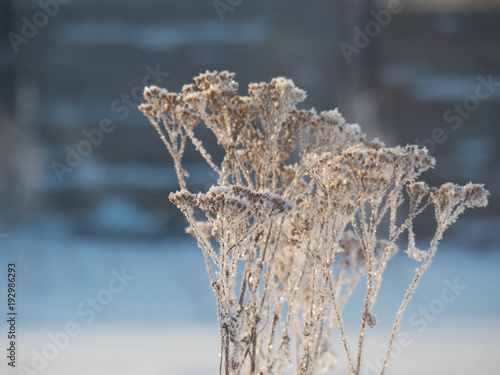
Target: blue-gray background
x,y
88,62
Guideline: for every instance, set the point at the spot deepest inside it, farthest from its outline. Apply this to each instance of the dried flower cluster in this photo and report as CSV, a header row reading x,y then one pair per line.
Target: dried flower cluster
x,y
288,234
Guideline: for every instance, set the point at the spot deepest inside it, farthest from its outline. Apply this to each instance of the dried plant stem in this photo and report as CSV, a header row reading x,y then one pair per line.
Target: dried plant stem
x,y
362,327
411,290
341,328
199,147
176,155
392,238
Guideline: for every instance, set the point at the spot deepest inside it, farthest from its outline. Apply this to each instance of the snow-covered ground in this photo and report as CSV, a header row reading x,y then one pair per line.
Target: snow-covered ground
x,y
457,346
147,308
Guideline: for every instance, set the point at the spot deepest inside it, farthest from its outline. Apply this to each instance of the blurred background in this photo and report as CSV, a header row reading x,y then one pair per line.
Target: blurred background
x,y
84,179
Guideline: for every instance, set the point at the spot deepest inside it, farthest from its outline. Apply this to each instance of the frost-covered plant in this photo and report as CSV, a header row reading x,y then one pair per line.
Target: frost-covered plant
x,y
288,234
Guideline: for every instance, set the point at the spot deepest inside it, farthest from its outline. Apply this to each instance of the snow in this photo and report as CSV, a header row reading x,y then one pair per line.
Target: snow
x,y
193,350
164,321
